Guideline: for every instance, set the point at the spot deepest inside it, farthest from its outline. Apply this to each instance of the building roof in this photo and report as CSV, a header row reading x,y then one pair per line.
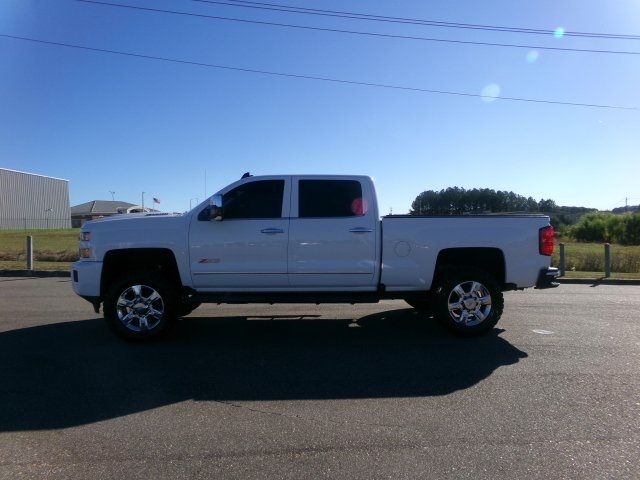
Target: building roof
x,y
99,207
33,174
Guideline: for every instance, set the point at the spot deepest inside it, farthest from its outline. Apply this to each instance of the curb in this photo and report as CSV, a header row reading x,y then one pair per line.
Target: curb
x,y
598,281
35,273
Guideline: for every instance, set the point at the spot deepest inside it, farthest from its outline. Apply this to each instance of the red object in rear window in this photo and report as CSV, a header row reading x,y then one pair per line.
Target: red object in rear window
x,y
546,240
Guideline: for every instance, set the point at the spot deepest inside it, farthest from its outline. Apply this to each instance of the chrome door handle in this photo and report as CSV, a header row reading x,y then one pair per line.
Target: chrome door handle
x,y
361,230
271,231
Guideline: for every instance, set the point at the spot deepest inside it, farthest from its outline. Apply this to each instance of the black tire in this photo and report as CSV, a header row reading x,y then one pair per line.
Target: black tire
x,y
478,319
185,309
125,287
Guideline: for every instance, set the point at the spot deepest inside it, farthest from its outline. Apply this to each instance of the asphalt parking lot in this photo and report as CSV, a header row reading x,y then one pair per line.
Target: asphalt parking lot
x,y
330,391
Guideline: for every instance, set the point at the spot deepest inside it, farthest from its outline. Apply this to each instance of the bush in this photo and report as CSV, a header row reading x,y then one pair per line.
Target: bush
x,y
631,233
590,228
607,227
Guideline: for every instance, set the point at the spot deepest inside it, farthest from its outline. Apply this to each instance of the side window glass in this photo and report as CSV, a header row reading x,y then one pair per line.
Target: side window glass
x,y
330,198
260,199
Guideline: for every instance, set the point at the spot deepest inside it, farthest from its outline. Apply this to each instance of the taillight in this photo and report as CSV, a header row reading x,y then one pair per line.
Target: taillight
x,y
545,244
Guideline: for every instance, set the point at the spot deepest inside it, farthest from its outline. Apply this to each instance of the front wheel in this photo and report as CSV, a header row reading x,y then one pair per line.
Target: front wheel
x,y
468,302
140,306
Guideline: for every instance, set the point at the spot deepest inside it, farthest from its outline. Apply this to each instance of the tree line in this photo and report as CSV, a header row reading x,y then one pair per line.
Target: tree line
x,y
581,223
460,201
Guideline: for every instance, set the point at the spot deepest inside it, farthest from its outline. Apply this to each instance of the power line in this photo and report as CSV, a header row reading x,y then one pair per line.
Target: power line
x,y
411,21
314,77
355,32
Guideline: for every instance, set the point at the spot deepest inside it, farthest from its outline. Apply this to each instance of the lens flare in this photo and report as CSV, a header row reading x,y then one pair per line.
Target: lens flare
x,y
558,32
490,92
532,56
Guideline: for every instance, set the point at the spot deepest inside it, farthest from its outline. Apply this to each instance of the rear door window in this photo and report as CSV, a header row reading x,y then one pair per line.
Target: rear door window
x,y
330,198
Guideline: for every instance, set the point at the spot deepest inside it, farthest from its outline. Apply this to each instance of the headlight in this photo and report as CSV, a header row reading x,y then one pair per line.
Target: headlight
x,y
85,253
85,236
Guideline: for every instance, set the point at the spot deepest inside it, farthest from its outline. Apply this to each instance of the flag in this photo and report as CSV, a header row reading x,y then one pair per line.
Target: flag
x,y
156,200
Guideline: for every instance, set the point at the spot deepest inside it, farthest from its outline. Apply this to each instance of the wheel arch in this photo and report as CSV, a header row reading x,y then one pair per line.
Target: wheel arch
x,y
488,259
127,260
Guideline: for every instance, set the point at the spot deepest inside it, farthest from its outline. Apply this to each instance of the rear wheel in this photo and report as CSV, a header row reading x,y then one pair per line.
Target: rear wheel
x,y
468,301
140,306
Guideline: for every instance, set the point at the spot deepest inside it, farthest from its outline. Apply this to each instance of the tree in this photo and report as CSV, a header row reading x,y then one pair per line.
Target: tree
x,y
457,201
547,206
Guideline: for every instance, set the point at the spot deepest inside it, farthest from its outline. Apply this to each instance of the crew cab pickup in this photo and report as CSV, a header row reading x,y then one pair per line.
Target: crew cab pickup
x,y
307,239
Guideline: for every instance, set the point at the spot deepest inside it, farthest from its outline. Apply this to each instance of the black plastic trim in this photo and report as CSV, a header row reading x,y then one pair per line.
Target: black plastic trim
x,y
95,301
546,278
285,297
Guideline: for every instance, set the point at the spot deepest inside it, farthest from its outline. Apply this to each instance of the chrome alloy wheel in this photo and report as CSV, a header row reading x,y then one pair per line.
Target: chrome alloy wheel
x,y
469,303
140,308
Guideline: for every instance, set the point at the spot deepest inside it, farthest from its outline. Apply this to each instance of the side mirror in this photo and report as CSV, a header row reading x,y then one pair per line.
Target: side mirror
x,y
215,209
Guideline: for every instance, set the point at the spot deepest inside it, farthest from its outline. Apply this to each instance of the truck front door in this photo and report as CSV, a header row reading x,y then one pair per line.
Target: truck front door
x,y
247,250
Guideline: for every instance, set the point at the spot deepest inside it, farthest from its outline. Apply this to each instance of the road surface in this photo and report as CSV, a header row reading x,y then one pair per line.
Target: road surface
x,y
330,391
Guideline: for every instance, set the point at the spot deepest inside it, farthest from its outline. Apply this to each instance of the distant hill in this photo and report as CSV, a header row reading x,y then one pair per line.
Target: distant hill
x,y
564,215
629,209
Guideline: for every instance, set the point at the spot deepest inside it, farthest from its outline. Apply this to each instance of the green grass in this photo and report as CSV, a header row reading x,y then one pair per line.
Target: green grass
x,y
37,265
589,257
615,275
48,245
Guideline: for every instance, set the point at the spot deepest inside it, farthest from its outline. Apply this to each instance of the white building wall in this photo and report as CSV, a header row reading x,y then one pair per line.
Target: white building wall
x,y
33,201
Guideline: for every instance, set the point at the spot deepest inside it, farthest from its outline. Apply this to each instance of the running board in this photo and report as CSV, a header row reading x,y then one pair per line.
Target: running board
x,y
293,297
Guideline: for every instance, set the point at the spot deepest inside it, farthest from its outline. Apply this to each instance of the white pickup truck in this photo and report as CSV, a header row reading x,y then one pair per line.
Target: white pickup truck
x,y
307,239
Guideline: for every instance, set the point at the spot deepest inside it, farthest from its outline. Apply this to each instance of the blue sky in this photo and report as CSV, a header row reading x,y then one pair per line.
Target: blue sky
x,y
107,122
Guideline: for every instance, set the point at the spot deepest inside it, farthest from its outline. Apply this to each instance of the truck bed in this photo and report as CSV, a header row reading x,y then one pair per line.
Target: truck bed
x,y
411,245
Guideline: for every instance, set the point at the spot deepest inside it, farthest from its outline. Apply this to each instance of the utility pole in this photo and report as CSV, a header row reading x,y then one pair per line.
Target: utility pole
x,y
112,194
143,200
48,212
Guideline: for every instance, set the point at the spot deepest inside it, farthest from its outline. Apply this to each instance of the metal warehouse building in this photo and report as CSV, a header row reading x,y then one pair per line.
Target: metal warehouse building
x,y
28,200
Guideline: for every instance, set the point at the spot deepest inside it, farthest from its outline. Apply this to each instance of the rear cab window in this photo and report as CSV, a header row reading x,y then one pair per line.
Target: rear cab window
x,y
330,199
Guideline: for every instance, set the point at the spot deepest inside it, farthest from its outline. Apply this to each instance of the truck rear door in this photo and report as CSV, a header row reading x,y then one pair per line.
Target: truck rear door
x,y
333,233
